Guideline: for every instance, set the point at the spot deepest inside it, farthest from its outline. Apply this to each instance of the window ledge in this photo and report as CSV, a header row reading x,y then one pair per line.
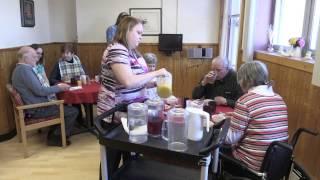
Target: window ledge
x,y
292,62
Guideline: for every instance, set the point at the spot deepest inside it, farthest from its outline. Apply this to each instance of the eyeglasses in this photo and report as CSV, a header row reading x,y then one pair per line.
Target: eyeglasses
x,y
39,53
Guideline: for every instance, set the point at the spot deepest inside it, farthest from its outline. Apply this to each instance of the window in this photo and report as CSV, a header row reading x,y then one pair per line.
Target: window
x,y
296,18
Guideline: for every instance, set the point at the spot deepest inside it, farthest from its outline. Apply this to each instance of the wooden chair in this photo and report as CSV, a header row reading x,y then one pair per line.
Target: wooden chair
x,y
25,123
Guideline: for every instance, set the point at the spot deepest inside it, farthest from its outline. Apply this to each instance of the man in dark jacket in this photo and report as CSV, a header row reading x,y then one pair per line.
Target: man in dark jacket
x,y
219,84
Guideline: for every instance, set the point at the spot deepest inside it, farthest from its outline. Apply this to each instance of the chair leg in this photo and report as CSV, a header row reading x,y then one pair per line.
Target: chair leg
x,y
18,128
24,142
63,129
23,133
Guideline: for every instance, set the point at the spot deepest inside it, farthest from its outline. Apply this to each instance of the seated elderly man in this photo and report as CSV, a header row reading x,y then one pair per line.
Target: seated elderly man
x,y
26,82
219,84
68,66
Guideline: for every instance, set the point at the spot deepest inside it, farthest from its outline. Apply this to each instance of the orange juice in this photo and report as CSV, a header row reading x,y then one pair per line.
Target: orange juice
x,y
164,91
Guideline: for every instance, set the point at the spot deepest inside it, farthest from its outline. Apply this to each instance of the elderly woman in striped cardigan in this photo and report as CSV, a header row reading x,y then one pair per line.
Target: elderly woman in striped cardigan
x,y
259,118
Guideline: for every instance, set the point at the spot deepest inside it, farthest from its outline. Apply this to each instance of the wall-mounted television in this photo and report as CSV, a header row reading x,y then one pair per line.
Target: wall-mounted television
x,y
170,42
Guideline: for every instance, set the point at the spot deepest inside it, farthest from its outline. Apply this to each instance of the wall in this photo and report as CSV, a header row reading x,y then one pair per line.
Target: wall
x,y
199,27
63,21
54,24
11,32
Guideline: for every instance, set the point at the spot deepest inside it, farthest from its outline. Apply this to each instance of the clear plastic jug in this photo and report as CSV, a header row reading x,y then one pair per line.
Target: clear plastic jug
x,y
164,86
177,130
155,116
137,122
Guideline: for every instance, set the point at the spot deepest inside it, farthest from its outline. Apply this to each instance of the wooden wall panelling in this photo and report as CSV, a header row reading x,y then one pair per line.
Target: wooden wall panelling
x,y
186,73
7,61
302,99
90,55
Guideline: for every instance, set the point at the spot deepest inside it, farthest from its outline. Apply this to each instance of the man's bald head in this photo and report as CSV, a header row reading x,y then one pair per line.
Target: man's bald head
x,y
27,55
220,66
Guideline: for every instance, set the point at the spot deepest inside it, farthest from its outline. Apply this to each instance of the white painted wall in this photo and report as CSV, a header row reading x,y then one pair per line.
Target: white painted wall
x,y
197,20
63,21
54,24
11,32
86,21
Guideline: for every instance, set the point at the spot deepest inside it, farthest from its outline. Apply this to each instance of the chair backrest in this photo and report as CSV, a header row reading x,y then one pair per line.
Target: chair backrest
x,y
277,160
15,96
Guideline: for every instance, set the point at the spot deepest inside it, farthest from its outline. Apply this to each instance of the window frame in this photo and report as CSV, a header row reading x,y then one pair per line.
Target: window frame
x,y
307,22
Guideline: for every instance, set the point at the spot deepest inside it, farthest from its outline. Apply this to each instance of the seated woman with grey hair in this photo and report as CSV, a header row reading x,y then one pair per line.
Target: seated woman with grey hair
x,y
151,87
259,118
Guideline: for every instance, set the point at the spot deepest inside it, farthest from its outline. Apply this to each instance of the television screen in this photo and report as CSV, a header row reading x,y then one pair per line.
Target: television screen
x,y
170,42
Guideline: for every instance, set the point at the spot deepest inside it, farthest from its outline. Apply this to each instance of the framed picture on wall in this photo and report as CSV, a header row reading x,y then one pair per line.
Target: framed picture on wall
x,y
152,18
27,13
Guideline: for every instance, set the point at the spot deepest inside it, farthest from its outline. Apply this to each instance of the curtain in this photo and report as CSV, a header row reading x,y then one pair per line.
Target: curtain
x,y
316,67
224,30
248,30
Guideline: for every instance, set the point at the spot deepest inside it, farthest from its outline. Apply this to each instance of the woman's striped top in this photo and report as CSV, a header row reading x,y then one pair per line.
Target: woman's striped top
x,y
261,119
112,91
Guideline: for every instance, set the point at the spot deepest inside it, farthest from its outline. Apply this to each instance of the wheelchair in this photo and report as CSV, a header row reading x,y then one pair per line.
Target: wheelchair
x,y
278,162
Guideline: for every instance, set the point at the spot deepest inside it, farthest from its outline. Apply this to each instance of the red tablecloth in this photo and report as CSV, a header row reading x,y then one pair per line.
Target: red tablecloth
x,y
88,94
223,109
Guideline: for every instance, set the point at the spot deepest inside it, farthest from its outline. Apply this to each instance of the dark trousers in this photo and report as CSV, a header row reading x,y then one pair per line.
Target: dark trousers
x,y
70,115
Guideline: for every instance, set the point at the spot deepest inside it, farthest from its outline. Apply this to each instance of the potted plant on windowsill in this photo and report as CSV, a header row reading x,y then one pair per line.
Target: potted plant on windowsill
x,y
296,46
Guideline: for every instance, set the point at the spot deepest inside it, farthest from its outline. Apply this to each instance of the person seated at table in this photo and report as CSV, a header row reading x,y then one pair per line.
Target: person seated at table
x,y
124,74
40,64
111,30
219,84
259,118
151,87
26,82
68,66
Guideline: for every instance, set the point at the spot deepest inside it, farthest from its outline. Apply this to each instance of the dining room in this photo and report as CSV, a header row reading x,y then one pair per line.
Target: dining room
x,y
241,31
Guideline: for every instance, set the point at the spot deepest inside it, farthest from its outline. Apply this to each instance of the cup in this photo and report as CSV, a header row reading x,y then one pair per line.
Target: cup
x,y
66,79
83,79
97,78
73,81
177,130
210,108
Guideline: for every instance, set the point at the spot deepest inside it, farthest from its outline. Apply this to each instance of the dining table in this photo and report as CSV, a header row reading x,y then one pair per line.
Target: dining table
x,y
86,94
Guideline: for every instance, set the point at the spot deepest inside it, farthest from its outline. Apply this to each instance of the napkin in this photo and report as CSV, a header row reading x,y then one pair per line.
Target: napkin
x,y
75,88
139,130
124,123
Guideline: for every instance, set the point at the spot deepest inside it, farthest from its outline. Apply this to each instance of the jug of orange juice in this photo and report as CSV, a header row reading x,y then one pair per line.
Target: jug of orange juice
x,y
164,86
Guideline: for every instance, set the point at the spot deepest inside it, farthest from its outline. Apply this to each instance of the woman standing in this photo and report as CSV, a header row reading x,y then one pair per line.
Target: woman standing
x,y
124,74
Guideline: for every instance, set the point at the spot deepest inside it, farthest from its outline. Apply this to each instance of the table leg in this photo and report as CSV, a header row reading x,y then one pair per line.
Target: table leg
x,y
104,164
204,162
89,114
